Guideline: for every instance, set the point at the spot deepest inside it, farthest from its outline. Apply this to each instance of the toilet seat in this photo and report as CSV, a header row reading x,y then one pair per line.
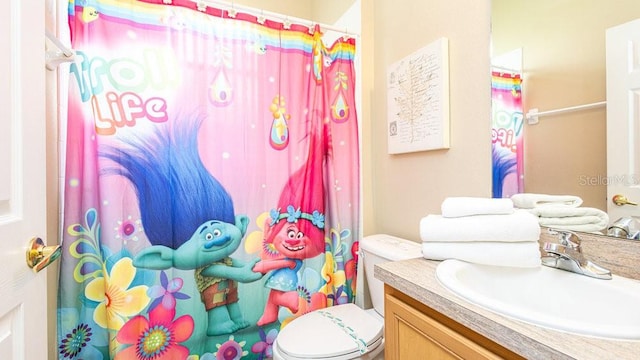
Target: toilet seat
x,y
338,333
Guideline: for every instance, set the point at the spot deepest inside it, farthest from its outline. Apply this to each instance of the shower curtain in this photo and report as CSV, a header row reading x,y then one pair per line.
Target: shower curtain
x,y
211,183
506,138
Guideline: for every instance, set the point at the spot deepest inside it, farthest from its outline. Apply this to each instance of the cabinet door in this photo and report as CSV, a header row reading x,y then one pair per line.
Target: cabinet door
x,y
413,334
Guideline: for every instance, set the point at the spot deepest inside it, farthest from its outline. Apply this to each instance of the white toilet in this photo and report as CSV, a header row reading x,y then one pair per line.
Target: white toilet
x,y
347,331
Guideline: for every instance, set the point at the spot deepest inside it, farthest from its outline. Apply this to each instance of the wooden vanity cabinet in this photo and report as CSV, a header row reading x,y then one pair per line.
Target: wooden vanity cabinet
x,y
415,331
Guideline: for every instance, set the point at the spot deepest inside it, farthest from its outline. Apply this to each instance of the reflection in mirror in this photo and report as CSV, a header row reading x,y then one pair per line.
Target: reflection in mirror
x,y
507,122
562,65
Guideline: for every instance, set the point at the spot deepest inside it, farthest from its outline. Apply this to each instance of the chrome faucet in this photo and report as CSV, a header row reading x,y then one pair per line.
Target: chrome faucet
x,y
567,255
625,227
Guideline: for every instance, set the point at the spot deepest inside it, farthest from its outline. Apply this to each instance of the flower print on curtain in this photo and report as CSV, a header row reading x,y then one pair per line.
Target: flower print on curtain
x,y
211,183
506,138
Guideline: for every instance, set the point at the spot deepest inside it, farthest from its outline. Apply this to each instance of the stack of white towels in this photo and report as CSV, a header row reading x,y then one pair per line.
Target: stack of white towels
x,y
562,212
483,231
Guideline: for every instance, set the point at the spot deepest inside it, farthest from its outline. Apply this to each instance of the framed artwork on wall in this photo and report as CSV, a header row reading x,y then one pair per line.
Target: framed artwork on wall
x,y
418,100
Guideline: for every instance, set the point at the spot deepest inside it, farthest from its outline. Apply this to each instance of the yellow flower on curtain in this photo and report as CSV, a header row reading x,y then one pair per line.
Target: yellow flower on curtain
x,y
253,243
334,279
117,301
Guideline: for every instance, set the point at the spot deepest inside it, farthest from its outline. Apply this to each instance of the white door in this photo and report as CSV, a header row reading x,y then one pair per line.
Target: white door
x,y
623,119
23,317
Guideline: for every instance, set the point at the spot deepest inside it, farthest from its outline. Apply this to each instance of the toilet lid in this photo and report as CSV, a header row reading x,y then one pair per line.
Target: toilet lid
x,y
331,332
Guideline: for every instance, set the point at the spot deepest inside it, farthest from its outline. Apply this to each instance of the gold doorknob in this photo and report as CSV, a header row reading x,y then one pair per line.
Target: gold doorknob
x,y
39,256
622,200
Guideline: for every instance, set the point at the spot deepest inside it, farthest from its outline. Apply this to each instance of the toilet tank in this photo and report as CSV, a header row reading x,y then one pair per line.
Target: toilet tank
x,y
378,249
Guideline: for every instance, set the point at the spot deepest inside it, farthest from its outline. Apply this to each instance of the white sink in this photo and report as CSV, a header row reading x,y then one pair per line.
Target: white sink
x,y
549,297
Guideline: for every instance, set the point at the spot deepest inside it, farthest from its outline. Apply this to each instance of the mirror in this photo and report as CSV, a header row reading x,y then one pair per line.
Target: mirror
x,y
563,65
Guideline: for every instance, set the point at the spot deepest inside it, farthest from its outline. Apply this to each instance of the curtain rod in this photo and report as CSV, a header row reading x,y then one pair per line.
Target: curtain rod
x,y
262,14
60,55
533,114
65,50
505,69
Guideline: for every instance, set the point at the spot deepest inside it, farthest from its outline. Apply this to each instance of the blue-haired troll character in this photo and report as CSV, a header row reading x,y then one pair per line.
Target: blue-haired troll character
x,y
188,218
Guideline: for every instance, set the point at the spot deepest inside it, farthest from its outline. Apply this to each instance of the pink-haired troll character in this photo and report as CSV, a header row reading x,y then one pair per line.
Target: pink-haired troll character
x,y
294,231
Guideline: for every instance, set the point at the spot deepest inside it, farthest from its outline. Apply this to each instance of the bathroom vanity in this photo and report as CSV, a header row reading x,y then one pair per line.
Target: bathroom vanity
x,y
422,317
413,329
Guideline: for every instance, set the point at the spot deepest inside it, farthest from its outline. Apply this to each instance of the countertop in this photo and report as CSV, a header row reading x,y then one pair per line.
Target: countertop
x,y
416,278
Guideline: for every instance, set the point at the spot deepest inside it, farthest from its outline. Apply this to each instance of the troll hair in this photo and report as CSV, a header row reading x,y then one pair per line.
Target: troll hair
x,y
304,190
176,193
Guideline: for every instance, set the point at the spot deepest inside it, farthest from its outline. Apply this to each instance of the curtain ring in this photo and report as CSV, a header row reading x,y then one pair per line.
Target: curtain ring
x,y
232,12
346,35
260,18
201,6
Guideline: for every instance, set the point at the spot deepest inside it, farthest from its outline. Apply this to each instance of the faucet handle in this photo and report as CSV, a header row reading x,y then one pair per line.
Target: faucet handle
x,y
567,238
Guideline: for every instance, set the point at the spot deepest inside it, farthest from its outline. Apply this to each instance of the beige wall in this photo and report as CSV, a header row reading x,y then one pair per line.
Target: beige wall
x,y
367,47
329,11
564,65
407,187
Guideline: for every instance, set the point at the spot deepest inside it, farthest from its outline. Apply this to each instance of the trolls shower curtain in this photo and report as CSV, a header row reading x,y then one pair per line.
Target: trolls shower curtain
x,y
507,141
211,183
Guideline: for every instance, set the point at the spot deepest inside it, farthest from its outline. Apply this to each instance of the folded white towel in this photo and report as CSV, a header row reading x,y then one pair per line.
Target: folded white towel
x,y
521,225
571,218
524,254
530,201
466,206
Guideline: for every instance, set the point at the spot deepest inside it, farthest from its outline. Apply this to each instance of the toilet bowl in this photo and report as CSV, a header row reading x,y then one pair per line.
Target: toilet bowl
x,y
347,331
